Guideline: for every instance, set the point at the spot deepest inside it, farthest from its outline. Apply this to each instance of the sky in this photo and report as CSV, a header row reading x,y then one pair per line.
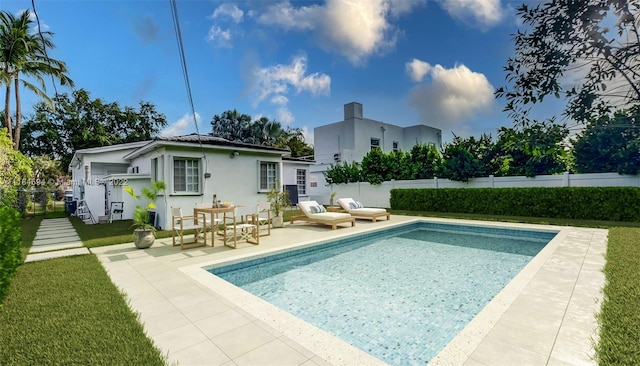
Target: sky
x,y
433,62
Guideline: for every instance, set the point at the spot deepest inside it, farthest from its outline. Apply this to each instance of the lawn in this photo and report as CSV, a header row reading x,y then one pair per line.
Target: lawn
x,y
66,311
78,284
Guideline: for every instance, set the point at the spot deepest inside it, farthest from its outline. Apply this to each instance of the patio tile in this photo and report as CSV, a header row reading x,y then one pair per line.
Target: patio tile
x,y
152,309
190,298
275,352
531,339
243,339
179,339
574,353
496,352
221,323
164,322
203,353
204,309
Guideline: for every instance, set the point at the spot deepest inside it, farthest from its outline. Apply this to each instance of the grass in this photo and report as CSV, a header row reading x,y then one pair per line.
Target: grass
x,y
29,227
66,311
619,318
32,306
117,232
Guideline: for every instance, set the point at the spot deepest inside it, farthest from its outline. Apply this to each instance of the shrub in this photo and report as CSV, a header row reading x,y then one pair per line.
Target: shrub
x,y
9,247
587,203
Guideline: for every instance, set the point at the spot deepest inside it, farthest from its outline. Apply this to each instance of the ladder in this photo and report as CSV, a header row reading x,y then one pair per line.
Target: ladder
x,y
84,213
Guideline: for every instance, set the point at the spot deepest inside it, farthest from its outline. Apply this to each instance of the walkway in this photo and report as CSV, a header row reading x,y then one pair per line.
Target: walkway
x,y
55,238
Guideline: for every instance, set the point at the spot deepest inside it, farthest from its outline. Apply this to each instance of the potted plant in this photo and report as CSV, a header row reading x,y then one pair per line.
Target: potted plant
x,y
278,200
332,197
144,231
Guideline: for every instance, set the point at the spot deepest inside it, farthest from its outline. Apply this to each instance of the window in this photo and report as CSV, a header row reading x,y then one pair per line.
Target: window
x,y
186,175
154,169
301,181
268,175
395,146
375,143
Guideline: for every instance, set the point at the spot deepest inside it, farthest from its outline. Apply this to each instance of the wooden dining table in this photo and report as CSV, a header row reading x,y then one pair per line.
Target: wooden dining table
x,y
215,211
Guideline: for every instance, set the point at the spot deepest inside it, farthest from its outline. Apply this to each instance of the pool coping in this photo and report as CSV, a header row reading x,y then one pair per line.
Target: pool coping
x,y
459,351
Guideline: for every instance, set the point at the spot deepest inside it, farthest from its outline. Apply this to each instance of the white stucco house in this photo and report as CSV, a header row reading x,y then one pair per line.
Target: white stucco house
x,y
352,138
194,168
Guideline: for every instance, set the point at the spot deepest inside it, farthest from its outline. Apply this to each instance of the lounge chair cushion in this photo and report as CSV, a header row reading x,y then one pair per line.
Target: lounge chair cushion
x,y
306,208
317,209
349,204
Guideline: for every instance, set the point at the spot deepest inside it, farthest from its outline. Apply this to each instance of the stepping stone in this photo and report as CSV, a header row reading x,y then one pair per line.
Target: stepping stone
x,y
56,254
55,240
50,247
56,234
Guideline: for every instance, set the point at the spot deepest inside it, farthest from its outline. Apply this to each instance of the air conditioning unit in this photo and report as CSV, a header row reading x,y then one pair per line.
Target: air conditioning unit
x,y
337,157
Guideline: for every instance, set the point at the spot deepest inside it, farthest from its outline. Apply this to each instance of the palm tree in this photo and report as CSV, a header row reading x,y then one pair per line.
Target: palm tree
x,y
266,132
23,51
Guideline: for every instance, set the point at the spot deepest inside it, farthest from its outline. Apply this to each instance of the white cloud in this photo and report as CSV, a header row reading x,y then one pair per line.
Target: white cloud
x,y
224,13
182,126
417,69
483,13
285,116
222,38
286,16
308,135
355,29
228,10
452,97
275,81
279,100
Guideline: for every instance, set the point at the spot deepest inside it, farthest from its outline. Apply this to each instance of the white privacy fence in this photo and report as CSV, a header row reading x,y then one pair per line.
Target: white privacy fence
x,y
378,195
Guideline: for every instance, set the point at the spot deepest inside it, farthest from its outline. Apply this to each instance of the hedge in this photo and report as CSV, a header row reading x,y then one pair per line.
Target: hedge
x,y
9,248
587,203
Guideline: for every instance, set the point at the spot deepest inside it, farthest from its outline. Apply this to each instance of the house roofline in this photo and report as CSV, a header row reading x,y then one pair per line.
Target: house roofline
x,y
204,141
101,149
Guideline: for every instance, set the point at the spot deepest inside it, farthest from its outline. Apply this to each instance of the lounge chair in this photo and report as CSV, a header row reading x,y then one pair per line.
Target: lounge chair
x,y
357,210
313,212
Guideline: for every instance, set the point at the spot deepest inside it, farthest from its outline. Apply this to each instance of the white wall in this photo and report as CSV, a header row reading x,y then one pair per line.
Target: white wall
x,y
378,195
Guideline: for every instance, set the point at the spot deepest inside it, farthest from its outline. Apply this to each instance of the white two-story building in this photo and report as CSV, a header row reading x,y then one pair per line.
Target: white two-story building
x,y
351,139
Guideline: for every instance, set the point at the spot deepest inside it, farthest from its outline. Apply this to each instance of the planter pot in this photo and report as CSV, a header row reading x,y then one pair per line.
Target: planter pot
x,y
143,239
277,221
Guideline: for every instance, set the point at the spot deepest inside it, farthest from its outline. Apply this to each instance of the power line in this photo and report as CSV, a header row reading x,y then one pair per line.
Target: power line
x,y
44,47
183,63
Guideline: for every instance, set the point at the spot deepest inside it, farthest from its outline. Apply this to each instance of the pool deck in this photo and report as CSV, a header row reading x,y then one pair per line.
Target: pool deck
x,y
544,316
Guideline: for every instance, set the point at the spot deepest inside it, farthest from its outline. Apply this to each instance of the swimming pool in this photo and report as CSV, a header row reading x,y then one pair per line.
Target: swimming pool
x,y
411,288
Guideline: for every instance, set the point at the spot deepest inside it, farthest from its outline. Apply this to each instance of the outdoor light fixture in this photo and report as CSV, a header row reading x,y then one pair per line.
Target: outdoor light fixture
x,y
234,154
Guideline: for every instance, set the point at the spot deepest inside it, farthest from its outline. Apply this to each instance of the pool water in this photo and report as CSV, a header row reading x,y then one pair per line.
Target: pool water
x,y
400,296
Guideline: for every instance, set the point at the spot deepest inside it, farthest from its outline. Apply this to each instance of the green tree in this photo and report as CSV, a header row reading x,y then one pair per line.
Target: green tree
x,y
425,161
46,170
533,150
375,166
609,144
344,172
265,132
23,52
292,139
468,158
15,170
458,161
79,122
233,126
595,41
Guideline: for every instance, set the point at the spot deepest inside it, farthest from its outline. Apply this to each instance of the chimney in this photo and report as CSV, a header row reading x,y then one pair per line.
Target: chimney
x,y
352,110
